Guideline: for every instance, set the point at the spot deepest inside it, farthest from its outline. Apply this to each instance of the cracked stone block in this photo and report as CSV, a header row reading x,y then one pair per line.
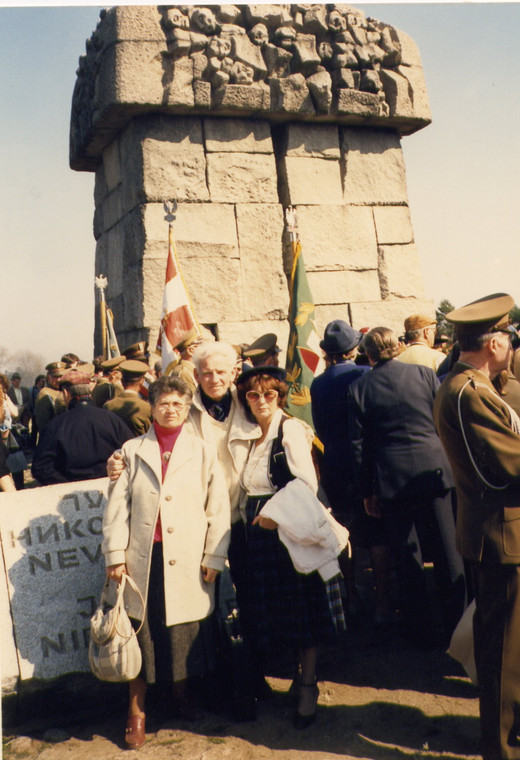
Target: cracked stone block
x,y
242,178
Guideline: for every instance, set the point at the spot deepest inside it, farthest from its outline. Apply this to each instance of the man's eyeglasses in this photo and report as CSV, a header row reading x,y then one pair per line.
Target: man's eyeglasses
x,y
268,396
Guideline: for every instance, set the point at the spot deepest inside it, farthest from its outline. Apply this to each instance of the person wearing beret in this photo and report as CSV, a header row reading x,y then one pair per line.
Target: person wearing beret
x,y
135,411
481,435
420,333
75,445
406,480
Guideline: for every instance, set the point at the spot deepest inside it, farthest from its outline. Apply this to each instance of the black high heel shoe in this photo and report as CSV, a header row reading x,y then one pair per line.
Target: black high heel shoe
x,y
307,704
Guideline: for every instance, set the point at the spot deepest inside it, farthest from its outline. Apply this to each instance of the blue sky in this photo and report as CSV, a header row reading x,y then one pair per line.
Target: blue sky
x,y
462,170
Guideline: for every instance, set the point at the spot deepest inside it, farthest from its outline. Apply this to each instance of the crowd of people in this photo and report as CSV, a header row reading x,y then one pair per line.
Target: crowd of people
x,y
416,451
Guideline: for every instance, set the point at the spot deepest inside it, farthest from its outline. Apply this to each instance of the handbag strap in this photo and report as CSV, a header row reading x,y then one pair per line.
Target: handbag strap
x,y
125,578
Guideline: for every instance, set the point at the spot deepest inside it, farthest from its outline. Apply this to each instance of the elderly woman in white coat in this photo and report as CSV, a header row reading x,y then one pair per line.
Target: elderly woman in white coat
x,y
167,525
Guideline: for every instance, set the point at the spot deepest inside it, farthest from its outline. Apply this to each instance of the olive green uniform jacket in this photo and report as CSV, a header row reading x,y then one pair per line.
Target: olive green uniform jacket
x,y
474,424
135,411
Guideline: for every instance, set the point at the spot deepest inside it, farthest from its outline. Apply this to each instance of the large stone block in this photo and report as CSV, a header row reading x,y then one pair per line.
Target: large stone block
x,y
201,230
389,313
112,165
393,224
341,287
260,230
313,140
110,211
249,98
215,288
400,272
132,72
162,158
242,178
51,546
174,170
374,167
356,103
309,181
137,22
237,136
291,95
337,237
179,90
417,84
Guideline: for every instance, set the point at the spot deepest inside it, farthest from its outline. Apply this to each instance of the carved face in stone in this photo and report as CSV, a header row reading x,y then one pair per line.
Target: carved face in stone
x,y
356,19
336,22
177,20
325,51
259,35
219,47
205,21
242,73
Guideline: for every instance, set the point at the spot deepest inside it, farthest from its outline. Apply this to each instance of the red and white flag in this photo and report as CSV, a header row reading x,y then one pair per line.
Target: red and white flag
x,y
177,317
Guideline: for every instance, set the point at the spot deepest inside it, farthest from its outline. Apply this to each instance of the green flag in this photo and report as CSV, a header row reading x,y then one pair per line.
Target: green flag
x,y
303,350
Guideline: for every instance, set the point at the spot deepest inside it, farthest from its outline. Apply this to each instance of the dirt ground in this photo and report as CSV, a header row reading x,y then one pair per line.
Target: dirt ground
x,y
380,698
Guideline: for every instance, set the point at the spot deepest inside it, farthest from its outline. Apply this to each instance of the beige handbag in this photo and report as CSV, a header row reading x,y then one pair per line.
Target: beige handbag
x,y
114,653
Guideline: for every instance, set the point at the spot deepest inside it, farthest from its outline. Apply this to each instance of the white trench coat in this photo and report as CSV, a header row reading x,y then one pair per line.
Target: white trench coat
x,y
193,503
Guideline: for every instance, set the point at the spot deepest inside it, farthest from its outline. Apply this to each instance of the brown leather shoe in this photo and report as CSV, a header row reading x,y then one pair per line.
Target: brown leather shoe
x,y
134,734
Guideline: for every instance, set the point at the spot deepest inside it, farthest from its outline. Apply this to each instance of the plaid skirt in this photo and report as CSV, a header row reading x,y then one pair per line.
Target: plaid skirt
x,y
280,606
176,652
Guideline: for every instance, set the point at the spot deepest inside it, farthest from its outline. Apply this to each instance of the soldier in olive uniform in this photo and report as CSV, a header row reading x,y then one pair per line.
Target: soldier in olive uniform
x,y
110,385
50,401
481,435
135,411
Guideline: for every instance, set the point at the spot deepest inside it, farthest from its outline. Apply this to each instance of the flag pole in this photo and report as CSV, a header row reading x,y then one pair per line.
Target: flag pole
x,y
101,283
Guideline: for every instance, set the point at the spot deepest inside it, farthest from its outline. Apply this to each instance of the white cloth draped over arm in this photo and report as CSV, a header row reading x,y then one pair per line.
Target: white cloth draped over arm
x,y
298,453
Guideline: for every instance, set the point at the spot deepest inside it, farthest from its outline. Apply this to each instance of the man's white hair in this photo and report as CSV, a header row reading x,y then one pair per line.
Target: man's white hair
x,y
217,349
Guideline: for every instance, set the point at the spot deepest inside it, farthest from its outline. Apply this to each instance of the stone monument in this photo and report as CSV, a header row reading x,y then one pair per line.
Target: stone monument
x,y
235,112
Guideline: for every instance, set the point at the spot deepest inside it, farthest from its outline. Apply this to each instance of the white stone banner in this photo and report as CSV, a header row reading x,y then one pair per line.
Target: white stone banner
x,y
54,572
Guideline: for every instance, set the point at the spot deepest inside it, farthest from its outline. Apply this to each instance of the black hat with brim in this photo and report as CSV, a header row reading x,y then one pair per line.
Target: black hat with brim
x,y
277,372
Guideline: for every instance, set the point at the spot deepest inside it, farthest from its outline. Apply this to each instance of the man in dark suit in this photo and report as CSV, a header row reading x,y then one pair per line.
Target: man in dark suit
x,y
481,435
405,478
76,445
